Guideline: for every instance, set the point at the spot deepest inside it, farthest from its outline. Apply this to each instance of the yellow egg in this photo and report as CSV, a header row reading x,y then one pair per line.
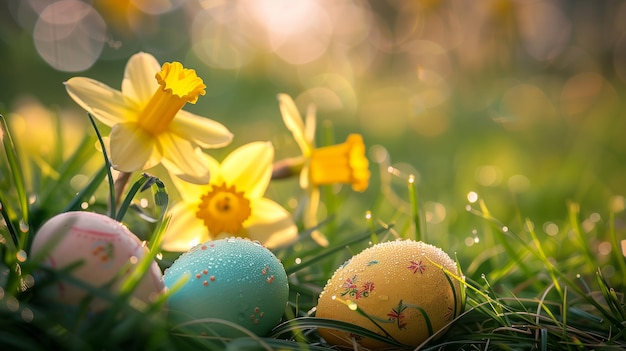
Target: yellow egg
x,y
408,289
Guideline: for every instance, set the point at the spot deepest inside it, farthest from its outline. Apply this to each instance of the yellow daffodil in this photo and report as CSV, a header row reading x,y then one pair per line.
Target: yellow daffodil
x,y
148,125
342,163
231,204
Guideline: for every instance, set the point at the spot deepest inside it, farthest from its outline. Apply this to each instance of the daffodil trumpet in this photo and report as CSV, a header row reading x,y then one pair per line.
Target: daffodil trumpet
x,y
334,164
341,163
148,125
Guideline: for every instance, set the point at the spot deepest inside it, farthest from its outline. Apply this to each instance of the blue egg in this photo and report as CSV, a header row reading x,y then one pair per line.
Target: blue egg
x,y
222,286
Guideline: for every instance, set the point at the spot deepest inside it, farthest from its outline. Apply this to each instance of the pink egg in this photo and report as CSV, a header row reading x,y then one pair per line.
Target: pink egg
x,y
105,251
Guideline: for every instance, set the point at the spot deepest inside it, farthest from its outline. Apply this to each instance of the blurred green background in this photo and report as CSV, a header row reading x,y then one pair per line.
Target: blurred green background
x,y
518,101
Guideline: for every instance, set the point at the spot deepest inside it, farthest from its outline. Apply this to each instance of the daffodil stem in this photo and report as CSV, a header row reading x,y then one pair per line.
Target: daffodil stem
x,y
287,168
112,202
331,206
120,185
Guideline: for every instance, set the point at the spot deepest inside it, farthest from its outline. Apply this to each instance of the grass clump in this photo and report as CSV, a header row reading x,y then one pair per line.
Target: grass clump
x,y
524,289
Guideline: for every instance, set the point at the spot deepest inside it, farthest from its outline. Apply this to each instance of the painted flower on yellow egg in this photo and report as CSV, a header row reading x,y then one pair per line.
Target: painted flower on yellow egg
x,y
341,163
397,315
231,204
148,125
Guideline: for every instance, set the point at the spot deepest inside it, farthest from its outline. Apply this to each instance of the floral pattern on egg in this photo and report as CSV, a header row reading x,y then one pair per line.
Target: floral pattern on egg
x,y
357,291
402,288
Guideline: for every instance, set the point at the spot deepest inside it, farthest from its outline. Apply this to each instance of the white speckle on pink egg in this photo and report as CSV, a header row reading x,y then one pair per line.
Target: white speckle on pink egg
x,y
103,249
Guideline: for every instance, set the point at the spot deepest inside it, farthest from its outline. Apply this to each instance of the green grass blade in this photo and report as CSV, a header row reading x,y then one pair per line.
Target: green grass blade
x,y
16,172
573,211
543,257
87,191
415,212
130,195
8,220
315,322
617,252
263,344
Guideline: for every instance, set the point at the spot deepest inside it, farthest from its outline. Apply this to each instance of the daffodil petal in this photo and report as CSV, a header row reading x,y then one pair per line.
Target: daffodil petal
x,y
319,238
304,176
106,104
309,217
270,224
132,148
183,159
191,192
206,132
309,126
184,230
139,81
249,168
293,121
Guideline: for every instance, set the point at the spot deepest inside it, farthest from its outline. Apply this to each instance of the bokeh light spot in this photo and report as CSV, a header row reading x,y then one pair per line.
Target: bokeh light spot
x,y
488,175
544,28
617,204
216,40
435,212
69,35
472,197
604,248
551,228
518,183
580,92
523,106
